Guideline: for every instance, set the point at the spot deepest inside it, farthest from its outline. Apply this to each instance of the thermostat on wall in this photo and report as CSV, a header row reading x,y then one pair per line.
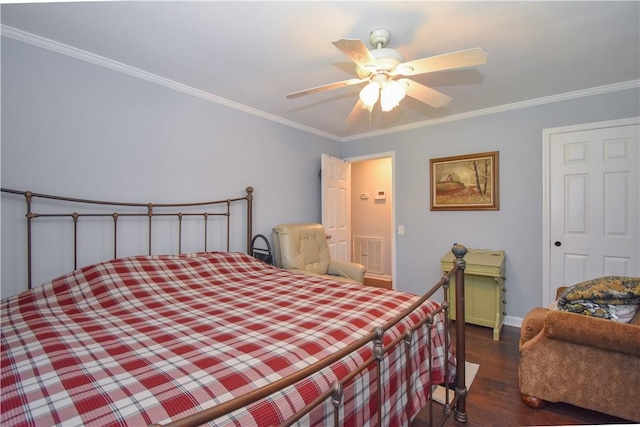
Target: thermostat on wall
x,y
380,195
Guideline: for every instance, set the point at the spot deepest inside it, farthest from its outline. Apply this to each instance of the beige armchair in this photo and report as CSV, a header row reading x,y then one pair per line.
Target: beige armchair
x,y
304,248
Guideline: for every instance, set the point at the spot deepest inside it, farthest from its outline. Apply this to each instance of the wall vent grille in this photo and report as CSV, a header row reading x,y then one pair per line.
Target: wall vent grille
x,y
368,251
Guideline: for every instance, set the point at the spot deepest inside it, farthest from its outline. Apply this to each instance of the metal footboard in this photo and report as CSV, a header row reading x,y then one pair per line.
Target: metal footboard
x,y
457,405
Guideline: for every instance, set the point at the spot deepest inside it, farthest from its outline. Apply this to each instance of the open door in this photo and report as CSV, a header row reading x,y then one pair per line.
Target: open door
x,y
336,205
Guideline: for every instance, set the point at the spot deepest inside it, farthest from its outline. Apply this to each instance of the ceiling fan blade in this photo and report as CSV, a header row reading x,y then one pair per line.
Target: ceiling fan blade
x,y
330,86
446,61
355,112
425,94
358,53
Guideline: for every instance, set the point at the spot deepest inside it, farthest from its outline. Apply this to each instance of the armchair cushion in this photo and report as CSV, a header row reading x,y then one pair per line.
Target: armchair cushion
x,y
304,247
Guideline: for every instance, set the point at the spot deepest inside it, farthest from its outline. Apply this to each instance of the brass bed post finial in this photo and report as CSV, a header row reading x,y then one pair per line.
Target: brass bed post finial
x,y
460,413
459,251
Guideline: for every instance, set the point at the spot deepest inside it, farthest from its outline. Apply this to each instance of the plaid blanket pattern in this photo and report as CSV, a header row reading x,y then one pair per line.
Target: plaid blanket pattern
x,y
151,339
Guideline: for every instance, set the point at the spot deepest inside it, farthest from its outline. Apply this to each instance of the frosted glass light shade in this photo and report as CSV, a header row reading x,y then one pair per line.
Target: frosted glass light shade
x,y
369,95
392,94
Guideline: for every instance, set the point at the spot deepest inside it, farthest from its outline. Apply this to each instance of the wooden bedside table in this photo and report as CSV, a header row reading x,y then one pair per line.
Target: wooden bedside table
x,y
484,288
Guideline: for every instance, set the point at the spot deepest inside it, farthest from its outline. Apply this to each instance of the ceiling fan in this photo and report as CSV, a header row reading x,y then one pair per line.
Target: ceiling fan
x,y
384,68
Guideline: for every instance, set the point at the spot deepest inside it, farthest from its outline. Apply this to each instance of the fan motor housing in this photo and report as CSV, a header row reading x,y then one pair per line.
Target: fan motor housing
x,y
387,59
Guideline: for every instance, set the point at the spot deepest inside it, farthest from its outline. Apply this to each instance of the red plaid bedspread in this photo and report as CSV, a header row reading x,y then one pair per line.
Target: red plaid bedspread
x,y
152,339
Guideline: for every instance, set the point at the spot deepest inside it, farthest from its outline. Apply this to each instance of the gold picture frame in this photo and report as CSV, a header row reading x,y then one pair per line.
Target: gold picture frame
x,y
465,183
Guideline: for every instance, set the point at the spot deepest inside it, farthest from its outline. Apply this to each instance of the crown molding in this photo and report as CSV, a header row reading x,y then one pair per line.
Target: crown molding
x,y
633,84
101,61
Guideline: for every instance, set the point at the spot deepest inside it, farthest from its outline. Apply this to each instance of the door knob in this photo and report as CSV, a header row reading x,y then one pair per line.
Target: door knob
x,y
558,243
328,236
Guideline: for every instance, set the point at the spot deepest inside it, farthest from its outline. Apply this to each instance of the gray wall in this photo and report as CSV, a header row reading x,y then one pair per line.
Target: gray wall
x,y
72,128
75,129
517,226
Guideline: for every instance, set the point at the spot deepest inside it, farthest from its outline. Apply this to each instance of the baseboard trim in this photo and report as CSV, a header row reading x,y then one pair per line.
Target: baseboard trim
x,y
513,321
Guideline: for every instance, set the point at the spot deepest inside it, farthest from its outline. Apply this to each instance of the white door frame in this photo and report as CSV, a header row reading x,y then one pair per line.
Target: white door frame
x,y
546,190
392,155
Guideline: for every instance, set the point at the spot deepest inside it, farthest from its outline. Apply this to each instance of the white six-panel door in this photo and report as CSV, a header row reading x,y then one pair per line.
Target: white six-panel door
x,y
593,204
336,206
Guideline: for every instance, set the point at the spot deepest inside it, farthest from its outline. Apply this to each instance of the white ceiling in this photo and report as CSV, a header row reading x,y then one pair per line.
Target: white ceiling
x,y
249,55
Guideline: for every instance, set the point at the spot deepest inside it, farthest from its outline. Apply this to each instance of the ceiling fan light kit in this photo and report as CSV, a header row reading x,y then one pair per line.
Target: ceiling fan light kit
x,y
389,92
380,66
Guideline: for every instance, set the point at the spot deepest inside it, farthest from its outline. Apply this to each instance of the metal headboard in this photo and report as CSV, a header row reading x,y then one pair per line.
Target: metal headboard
x,y
139,210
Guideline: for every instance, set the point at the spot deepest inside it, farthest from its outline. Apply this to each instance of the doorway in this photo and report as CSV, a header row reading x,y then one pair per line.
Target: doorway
x,y
373,217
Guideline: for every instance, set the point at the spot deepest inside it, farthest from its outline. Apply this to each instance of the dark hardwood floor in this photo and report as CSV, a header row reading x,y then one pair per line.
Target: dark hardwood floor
x,y
494,399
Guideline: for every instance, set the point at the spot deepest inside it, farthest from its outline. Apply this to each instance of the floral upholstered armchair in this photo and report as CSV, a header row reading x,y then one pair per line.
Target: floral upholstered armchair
x,y
585,351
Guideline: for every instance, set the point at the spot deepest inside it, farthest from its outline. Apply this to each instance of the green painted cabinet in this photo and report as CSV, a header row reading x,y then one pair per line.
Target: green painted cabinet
x,y
484,288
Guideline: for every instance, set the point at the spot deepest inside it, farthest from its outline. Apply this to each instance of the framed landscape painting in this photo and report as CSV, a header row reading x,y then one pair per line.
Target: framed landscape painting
x,y
468,182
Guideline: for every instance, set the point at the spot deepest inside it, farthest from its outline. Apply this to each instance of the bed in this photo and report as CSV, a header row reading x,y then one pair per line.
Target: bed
x,y
219,337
